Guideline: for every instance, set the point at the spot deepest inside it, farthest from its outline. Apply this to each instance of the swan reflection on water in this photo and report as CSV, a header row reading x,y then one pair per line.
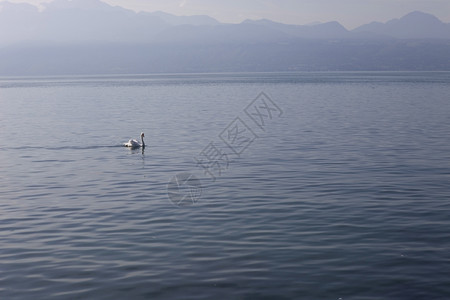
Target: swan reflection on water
x,y
137,150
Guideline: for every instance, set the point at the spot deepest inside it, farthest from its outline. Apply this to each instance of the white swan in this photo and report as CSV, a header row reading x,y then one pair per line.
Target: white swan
x,y
135,144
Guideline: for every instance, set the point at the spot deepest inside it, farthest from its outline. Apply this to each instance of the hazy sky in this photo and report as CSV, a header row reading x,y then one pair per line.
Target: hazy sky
x,y
350,13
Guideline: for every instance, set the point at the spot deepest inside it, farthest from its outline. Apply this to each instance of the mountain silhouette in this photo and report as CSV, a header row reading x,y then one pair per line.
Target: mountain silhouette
x,y
415,25
93,20
92,37
317,31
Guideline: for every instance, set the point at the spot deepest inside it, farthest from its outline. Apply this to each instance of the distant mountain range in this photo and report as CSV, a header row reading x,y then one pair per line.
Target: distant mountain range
x,y
415,25
89,36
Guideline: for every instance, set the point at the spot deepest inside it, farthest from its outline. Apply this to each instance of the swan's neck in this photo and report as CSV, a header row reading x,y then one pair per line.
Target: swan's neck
x,y
142,142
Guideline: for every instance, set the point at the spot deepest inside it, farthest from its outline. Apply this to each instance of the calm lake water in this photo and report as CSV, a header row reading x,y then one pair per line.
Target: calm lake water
x,y
342,193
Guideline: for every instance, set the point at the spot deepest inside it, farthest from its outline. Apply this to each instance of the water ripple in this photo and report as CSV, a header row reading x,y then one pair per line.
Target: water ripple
x,y
346,196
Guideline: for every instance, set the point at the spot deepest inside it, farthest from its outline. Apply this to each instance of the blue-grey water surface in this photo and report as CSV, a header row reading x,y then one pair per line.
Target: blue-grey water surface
x,y
345,195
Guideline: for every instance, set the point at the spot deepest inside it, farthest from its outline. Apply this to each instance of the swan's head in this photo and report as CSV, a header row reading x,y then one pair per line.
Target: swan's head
x,y
142,134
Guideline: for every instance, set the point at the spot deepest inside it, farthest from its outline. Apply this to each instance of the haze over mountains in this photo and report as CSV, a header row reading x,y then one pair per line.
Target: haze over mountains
x,y
92,37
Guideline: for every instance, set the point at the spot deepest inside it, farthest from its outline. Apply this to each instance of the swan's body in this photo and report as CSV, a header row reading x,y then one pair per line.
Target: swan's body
x,y
135,144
